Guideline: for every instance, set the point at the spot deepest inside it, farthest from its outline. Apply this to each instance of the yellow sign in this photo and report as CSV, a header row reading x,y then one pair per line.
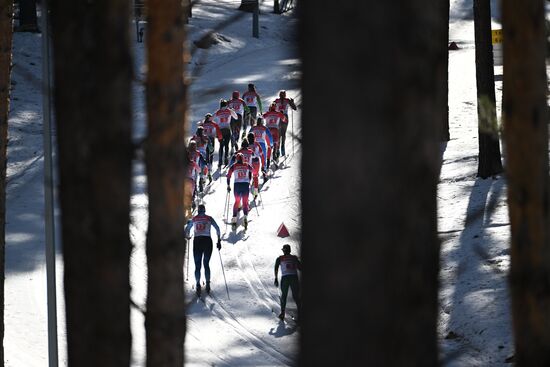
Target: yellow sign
x,y
497,36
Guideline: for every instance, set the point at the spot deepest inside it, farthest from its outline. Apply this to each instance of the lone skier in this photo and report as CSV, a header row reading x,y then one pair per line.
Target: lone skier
x,y
290,264
202,244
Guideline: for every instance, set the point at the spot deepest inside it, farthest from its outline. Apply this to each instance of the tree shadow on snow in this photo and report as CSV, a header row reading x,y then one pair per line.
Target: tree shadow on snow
x,y
479,303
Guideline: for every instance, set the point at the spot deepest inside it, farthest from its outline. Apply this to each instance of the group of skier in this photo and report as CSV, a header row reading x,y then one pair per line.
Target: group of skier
x,y
262,138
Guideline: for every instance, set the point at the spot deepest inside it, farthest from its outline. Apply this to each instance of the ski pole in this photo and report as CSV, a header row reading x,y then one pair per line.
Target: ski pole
x,y
223,271
292,119
227,209
261,199
187,267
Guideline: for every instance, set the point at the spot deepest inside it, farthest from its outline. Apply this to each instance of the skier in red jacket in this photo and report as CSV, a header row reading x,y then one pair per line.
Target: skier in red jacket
x,y
273,120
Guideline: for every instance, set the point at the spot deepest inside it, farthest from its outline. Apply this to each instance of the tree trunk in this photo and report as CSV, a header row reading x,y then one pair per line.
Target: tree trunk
x,y
526,135
6,27
443,74
27,16
388,252
164,157
93,72
489,163
248,5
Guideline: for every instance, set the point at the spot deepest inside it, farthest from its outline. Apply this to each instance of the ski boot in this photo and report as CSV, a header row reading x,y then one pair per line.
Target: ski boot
x,y
245,223
254,192
207,287
198,290
282,315
268,163
234,223
225,161
209,177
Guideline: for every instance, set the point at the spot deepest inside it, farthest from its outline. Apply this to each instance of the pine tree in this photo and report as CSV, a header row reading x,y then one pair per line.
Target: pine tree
x,y
525,112
164,158
373,232
6,27
489,163
93,73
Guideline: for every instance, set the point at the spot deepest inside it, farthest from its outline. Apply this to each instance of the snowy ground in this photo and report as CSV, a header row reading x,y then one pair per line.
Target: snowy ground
x,y
474,320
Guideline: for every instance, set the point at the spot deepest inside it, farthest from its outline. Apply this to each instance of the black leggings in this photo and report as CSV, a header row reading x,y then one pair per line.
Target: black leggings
x,y
202,250
224,146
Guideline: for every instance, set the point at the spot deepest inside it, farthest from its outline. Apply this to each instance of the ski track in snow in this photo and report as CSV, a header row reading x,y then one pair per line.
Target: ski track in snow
x,y
474,322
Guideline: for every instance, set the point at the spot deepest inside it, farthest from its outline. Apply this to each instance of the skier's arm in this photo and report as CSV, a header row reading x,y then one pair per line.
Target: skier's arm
x,y
188,227
283,117
277,264
298,263
292,104
216,227
229,173
233,113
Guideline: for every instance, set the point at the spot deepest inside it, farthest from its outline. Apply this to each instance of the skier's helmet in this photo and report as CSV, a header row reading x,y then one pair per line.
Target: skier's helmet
x,y
244,143
282,94
236,94
286,249
250,138
207,117
223,103
201,208
251,87
192,145
260,121
273,106
200,130
239,158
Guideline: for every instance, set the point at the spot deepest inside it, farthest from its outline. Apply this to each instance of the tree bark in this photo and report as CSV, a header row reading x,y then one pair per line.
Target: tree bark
x,y
6,28
489,163
164,158
27,16
354,241
93,72
443,73
526,135
248,5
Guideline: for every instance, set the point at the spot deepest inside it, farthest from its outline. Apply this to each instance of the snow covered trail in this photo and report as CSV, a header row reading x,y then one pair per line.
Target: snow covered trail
x,y
241,330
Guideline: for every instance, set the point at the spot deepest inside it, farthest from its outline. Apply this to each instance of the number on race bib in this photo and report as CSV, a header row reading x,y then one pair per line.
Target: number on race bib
x,y
201,226
241,174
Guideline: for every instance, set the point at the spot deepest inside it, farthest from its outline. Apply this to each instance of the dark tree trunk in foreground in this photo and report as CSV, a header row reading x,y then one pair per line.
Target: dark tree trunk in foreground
x,y
6,26
369,240
526,133
443,72
27,16
93,72
248,5
490,163
164,157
